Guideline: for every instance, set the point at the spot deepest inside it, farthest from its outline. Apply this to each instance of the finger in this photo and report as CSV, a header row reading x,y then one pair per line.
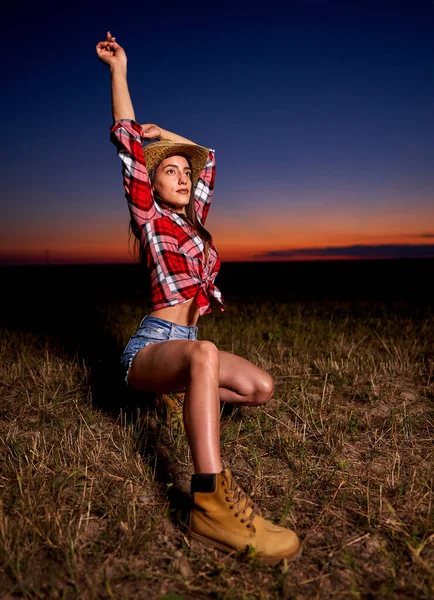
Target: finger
x,y
101,46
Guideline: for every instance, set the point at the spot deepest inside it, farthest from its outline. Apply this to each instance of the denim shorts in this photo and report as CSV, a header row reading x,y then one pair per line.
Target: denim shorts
x,y
153,330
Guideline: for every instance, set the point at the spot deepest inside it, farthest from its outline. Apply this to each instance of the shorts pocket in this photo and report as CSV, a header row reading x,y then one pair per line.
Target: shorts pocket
x,y
152,333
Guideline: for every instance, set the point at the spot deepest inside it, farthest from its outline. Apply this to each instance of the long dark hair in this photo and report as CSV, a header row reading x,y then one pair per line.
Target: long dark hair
x,y
190,217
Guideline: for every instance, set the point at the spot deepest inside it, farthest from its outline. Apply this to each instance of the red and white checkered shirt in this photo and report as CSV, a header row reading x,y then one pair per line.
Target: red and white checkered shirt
x,y
174,252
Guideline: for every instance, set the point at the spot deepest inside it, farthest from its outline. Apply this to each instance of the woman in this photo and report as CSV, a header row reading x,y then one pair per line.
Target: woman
x,y
169,186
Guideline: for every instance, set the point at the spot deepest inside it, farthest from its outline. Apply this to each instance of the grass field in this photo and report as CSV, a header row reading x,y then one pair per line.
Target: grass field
x,y
95,490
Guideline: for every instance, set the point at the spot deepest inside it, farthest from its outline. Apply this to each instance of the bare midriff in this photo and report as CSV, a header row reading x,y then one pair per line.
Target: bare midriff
x,y
186,313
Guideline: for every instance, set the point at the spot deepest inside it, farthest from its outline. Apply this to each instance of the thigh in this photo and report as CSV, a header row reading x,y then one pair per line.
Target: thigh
x,y
241,376
165,367
162,367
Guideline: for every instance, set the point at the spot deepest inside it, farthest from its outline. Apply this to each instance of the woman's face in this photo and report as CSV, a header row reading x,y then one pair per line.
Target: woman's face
x,y
172,182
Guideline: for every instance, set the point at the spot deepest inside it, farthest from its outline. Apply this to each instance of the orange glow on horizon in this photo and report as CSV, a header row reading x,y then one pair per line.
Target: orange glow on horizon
x,y
249,237
228,252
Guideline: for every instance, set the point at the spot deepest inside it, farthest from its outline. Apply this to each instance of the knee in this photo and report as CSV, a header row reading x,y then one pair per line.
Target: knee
x,y
204,354
264,389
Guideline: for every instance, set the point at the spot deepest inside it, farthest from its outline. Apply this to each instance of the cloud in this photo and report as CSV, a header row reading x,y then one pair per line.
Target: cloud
x,y
426,235
356,251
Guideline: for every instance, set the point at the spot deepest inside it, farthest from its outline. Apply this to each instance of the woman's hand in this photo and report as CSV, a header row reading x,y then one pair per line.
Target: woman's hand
x,y
151,131
110,53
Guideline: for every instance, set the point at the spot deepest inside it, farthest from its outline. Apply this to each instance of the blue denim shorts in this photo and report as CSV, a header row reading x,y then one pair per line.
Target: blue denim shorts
x,y
153,330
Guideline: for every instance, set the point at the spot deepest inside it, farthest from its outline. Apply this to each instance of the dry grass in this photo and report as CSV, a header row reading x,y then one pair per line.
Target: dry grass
x,y
92,500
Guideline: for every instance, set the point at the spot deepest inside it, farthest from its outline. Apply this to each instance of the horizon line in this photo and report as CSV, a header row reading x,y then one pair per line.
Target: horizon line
x,y
278,261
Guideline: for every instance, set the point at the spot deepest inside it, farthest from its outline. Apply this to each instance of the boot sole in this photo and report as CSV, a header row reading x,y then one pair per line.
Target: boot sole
x,y
271,560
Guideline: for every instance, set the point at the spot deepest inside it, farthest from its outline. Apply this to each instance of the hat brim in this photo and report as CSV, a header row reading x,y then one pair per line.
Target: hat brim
x,y
158,151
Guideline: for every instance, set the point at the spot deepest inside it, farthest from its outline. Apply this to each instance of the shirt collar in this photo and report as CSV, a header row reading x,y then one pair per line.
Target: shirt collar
x,y
172,214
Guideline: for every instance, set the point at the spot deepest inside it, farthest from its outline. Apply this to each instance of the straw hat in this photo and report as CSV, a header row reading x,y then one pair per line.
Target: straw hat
x,y
157,151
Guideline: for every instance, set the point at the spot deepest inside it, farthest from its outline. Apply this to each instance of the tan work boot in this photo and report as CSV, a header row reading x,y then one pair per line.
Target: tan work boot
x,y
170,408
223,516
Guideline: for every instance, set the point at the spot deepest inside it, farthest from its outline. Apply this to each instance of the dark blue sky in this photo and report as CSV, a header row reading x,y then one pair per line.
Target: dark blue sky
x,y
321,114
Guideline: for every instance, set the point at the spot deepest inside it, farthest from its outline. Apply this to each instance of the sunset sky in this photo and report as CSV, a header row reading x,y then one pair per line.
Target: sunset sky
x,y
321,114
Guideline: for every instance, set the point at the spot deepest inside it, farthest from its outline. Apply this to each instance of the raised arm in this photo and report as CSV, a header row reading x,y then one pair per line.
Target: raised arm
x,y
204,188
110,53
125,134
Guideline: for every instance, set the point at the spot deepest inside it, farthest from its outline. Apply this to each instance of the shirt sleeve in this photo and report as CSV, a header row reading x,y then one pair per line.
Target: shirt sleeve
x,y
204,188
125,134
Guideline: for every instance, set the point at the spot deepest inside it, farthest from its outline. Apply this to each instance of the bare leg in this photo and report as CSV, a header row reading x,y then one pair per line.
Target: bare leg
x,y
242,382
194,365
209,375
202,410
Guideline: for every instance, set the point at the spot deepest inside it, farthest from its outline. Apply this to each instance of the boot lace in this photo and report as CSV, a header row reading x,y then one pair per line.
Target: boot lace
x,y
241,502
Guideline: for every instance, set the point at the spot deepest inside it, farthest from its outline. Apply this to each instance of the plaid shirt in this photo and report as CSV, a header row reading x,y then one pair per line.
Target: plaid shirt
x,y
174,252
